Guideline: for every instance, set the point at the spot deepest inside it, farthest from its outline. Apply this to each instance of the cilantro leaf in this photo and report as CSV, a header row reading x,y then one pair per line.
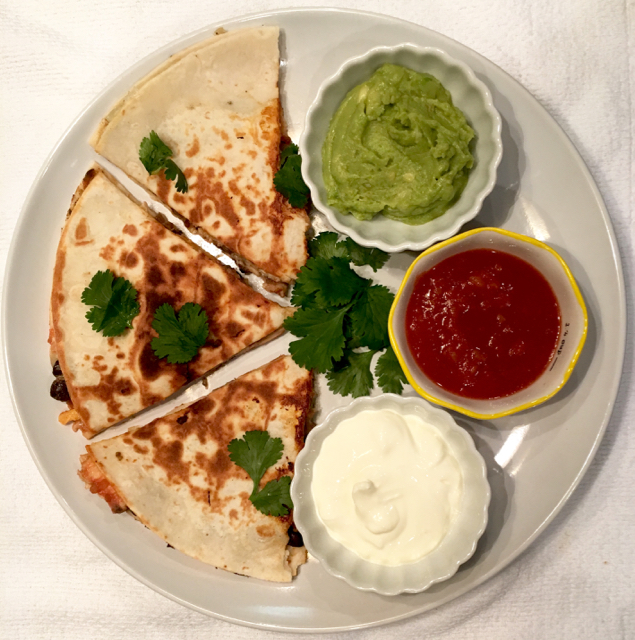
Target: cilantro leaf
x,y
353,341
375,258
274,499
332,281
303,293
113,301
352,377
390,375
327,245
369,317
179,339
322,337
255,452
172,172
154,155
288,180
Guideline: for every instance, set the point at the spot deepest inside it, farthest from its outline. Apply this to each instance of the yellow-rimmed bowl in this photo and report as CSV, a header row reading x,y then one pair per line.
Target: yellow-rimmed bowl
x,y
573,322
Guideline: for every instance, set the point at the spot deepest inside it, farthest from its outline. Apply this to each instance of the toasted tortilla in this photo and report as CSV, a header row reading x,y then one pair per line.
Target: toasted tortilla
x,y
216,105
176,476
110,379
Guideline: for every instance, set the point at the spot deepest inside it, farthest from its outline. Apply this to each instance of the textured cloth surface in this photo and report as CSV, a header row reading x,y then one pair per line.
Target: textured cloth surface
x,y
577,57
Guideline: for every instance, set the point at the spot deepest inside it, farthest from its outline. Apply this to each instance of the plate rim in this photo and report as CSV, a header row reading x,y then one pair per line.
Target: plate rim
x,y
236,21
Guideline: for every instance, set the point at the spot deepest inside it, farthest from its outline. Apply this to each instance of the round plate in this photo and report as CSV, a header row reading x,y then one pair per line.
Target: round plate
x,y
535,458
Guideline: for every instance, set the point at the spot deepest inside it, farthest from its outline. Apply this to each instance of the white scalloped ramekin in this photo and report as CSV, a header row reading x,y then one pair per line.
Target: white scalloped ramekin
x,y
573,322
468,93
440,564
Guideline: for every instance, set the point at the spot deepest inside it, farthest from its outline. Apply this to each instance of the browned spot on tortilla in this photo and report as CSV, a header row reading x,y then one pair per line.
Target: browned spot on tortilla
x,y
155,276
234,329
81,231
98,365
210,190
169,456
129,260
194,148
149,364
110,386
163,187
107,253
130,229
147,432
177,271
213,288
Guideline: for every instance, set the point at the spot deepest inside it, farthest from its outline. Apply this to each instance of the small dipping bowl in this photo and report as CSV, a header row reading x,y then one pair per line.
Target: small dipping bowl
x,y
469,94
573,322
459,542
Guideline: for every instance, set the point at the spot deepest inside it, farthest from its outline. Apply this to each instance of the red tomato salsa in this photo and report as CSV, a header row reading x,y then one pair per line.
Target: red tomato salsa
x,y
482,324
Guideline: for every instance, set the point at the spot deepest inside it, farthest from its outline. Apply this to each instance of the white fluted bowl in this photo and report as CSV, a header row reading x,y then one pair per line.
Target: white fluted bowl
x,y
456,547
468,93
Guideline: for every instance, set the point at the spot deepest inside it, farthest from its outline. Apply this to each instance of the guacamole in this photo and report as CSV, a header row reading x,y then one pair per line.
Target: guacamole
x,y
397,146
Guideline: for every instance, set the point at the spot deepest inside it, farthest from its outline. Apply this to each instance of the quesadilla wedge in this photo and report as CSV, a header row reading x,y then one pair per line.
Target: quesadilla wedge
x,y
111,378
216,105
176,476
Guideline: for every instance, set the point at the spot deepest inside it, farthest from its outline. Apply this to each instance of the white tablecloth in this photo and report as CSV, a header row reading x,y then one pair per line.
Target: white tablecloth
x,y
577,57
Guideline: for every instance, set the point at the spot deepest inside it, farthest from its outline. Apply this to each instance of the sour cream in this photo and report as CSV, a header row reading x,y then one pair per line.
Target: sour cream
x,y
387,486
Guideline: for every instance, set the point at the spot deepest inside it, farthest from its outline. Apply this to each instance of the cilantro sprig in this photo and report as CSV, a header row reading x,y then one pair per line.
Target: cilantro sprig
x,y
180,337
255,452
327,245
113,303
342,319
155,155
288,180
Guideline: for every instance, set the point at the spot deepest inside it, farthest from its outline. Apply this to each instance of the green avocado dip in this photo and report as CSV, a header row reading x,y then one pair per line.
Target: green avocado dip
x,y
397,146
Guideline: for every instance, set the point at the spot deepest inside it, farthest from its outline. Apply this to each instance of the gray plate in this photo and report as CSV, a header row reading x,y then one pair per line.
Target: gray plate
x,y
535,459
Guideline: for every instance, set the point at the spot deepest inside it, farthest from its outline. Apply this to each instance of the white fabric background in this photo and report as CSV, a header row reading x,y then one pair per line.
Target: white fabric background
x,y
577,57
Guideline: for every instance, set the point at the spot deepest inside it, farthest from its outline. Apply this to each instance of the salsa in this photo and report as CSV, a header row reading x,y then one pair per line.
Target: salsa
x,y
482,324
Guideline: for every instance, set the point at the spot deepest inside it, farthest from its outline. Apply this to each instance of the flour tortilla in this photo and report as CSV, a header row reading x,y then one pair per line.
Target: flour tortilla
x,y
175,474
216,105
110,379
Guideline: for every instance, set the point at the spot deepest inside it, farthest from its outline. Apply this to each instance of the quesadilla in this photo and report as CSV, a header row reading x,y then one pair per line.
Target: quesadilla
x,y
111,378
176,476
216,105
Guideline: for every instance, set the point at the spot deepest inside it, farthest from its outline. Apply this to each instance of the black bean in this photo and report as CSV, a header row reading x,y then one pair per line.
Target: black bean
x,y
59,390
57,370
295,537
